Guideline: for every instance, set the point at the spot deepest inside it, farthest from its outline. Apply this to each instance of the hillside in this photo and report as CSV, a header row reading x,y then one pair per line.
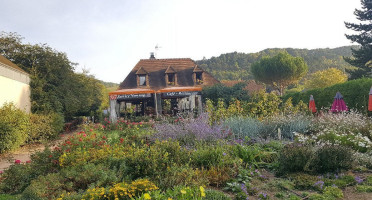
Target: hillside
x,y
236,66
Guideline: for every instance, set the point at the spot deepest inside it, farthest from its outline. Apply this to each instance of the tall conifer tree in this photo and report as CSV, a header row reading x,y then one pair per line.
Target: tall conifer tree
x,y
362,57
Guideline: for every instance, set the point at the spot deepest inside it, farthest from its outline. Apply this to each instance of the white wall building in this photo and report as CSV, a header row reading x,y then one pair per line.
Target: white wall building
x,y
14,85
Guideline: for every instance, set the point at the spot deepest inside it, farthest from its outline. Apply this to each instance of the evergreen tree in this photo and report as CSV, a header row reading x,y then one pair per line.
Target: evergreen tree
x,y
361,56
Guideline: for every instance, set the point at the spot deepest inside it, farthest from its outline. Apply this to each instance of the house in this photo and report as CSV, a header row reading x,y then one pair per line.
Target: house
x,y
14,85
152,82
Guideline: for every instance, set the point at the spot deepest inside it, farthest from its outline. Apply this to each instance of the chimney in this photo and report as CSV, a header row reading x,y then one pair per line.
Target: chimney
x,y
152,55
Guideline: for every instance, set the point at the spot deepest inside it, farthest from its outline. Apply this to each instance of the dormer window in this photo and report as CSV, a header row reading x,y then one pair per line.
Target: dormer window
x,y
171,79
171,76
142,80
199,78
142,77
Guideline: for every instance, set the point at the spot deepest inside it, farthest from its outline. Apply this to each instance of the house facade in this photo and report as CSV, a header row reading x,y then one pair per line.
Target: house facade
x,y
14,85
159,86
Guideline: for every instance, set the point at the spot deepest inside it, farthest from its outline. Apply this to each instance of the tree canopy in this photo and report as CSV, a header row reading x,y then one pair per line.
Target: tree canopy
x,y
54,85
279,71
325,78
237,66
361,56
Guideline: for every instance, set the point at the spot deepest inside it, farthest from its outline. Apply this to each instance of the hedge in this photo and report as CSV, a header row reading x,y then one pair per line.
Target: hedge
x,y
355,93
18,127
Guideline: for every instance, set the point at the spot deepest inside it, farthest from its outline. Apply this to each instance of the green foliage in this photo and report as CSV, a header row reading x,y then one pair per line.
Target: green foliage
x,y
220,91
44,127
363,188
54,85
14,125
237,66
76,178
262,104
304,181
294,158
325,78
216,195
355,95
362,56
16,178
331,158
280,70
243,127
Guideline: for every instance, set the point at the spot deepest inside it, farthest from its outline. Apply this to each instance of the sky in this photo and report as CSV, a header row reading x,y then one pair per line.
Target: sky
x,y
109,37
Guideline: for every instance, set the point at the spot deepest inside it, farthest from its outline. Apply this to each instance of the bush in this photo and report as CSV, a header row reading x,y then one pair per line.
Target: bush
x,y
294,158
44,127
13,127
16,178
355,94
331,158
242,127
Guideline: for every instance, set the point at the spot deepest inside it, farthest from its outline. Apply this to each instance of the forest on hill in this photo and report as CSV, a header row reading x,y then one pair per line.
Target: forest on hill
x,y
236,66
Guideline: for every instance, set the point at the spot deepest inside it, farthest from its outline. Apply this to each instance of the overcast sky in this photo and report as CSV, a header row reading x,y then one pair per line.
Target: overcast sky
x,y
109,37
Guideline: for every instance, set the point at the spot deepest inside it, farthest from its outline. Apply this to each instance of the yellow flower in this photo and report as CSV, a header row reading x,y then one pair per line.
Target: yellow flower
x,y
147,196
202,191
183,191
170,198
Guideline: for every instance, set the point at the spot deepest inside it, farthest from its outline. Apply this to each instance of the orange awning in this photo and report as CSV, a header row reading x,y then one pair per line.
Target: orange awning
x,y
179,89
132,91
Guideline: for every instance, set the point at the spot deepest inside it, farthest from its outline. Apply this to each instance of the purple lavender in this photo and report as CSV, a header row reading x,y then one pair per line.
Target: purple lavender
x,y
193,129
262,195
243,187
319,184
358,179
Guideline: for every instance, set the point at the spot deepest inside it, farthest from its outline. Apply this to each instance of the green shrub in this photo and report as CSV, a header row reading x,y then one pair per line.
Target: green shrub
x,y
355,94
44,126
182,175
294,158
331,158
72,179
334,192
8,197
16,178
364,188
13,127
216,195
304,181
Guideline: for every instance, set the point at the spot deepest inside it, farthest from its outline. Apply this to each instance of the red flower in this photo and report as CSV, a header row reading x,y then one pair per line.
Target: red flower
x,y
29,161
85,135
90,130
140,123
50,156
104,137
80,139
121,140
17,162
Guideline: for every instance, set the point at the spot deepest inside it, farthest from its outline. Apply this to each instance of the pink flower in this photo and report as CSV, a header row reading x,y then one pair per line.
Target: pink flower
x,y
85,135
90,130
17,162
1,172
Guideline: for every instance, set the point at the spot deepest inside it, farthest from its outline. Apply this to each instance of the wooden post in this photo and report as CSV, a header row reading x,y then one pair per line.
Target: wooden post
x,y
113,114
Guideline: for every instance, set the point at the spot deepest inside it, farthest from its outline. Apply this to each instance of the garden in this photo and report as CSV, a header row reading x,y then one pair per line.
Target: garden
x,y
258,149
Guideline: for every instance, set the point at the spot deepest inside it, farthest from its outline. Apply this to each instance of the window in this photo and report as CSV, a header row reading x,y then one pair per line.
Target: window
x,y
171,79
199,77
142,80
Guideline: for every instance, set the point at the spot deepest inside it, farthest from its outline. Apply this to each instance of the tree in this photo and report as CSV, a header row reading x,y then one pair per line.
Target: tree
x,y
54,85
279,71
325,78
361,57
